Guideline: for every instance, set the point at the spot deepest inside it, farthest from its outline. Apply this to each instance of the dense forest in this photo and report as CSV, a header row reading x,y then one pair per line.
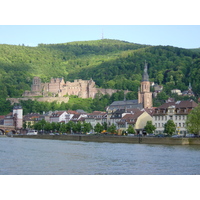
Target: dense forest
x,y
110,63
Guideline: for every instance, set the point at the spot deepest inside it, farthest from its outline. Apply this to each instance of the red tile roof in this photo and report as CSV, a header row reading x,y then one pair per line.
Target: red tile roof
x,y
97,113
72,112
179,104
57,113
130,118
181,107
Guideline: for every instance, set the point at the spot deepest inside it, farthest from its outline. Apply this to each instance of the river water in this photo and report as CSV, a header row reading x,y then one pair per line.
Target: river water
x,y
22,156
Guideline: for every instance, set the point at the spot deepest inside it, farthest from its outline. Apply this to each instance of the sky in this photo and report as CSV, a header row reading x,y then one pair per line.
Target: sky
x,y
184,36
172,22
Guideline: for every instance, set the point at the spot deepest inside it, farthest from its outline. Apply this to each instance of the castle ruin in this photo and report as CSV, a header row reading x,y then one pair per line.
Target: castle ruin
x,y
57,87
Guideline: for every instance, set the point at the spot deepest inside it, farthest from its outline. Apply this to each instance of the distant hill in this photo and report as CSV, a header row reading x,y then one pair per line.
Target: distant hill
x,y
196,50
110,63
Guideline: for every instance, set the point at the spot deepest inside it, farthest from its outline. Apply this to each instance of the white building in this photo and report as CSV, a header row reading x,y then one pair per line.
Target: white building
x,y
96,117
176,91
58,116
176,111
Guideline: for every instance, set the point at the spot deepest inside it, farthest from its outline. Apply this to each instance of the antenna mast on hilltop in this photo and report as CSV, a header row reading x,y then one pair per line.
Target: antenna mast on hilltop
x,y
102,35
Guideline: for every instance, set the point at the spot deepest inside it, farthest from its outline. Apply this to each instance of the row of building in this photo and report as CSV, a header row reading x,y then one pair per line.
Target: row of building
x,y
121,117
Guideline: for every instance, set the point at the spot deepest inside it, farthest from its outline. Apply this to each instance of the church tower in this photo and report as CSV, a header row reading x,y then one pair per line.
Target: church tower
x,y
144,94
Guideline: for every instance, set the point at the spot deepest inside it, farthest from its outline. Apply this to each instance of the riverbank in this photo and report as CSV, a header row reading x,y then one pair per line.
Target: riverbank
x,y
117,139
3,136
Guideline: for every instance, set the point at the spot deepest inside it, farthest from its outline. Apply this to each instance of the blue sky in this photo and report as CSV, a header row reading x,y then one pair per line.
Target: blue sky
x,y
185,36
155,22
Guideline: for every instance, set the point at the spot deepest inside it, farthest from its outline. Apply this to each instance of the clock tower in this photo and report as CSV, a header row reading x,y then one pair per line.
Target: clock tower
x,y
144,94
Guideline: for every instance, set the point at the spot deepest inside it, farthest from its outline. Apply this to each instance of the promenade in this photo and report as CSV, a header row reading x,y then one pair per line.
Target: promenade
x,y
117,139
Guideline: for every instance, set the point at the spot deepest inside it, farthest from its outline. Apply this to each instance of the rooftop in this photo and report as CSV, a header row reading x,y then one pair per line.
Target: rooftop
x,y
179,104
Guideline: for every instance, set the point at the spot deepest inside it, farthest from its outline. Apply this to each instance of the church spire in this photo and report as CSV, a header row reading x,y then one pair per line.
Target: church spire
x,y
144,94
145,76
190,87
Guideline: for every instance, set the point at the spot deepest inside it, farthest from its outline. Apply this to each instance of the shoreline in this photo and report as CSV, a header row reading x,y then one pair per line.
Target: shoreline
x,y
3,136
117,139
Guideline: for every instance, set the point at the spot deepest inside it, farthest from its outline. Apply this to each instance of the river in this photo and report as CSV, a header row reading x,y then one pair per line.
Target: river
x,y
23,156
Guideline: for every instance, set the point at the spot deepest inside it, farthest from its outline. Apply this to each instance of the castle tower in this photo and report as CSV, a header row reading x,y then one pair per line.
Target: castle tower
x,y
36,85
56,84
144,94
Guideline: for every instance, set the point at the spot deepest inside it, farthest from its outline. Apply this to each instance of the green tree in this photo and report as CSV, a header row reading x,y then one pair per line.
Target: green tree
x,y
48,126
5,106
70,126
149,128
62,128
112,129
160,77
29,125
162,96
98,128
86,127
169,127
192,122
105,126
39,125
24,125
54,126
130,130
79,127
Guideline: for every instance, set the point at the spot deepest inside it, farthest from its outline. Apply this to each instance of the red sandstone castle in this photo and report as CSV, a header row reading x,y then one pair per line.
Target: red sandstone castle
x,y
58,87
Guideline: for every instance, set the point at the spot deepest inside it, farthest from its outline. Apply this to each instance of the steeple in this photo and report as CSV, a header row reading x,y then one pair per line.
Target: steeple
x,y
145,76
144,94
190,87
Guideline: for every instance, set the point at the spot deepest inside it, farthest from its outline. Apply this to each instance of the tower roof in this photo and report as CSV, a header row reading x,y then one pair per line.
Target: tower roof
x,y
16,107
145,76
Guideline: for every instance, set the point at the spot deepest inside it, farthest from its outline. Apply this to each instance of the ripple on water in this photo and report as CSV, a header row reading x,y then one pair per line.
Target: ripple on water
x,y
31,156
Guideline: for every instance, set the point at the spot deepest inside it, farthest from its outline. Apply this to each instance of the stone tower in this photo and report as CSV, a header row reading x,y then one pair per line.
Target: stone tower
x,y
36,85
144,94
18,117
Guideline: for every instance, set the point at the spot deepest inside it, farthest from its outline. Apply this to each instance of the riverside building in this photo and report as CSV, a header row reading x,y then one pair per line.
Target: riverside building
x,y
176,111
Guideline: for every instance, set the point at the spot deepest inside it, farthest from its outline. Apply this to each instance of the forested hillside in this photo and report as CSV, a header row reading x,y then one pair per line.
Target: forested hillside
x,y
110,63
19,64
170,66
